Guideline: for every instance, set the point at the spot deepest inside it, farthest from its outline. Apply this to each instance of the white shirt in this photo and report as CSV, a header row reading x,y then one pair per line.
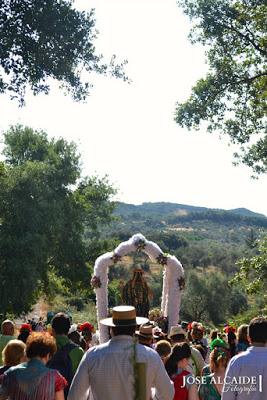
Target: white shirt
x,y
251,364
196,362
108,371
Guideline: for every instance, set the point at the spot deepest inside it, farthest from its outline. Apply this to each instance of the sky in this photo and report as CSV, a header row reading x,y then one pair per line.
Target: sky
x,y
127,131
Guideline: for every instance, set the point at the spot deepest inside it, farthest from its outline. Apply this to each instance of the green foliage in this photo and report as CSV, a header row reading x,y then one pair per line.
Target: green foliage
x,y
251,240
232,96
208,298
256,307
54,285
44,210
48,39
114,293
253,271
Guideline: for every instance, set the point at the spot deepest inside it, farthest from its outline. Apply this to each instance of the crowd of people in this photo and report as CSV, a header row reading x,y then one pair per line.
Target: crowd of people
x,y
140,361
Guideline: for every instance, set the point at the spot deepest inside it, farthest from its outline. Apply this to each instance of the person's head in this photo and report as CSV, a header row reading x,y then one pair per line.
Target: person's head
x,y
177,334
184,325
242,333
14,353
61,324
87,330
23,336
213,334
178,358
75,336
25,331
123,330
223,337
197,331
218,343
219,358
231,338
123,321
41,345
257,330
163,348
145,334
8,328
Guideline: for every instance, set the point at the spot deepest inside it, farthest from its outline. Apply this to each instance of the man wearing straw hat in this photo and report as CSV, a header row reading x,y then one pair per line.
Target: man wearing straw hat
x,y
108,370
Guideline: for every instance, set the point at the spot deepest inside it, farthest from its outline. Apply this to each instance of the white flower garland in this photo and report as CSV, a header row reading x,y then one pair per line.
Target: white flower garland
x,y
173,279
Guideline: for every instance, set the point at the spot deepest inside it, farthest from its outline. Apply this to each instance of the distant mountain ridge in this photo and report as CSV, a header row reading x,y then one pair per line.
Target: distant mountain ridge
x,y
166,208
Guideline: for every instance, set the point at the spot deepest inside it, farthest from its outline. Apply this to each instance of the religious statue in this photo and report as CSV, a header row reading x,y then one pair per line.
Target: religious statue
x,y
137,293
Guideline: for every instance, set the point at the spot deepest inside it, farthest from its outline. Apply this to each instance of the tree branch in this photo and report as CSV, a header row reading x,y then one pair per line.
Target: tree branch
x,y
245,37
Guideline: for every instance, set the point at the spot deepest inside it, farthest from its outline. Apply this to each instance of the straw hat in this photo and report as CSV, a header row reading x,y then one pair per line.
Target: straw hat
x,y
124,316
176,330
145,331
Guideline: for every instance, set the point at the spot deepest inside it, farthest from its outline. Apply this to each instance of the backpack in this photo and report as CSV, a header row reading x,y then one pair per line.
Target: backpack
x,y
61,361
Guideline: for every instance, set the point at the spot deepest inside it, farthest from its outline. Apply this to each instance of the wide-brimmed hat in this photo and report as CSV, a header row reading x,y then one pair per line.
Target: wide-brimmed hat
x,y
124,316
176,330
145,331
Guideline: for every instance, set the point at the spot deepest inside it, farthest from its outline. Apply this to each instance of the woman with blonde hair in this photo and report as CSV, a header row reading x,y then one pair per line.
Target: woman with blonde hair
x,y
212,388
32,380
13,354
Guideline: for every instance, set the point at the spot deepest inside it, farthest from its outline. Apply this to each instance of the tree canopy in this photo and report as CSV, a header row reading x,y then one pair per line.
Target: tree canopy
x,y
253,270
45,208
208,297
48,39
232,96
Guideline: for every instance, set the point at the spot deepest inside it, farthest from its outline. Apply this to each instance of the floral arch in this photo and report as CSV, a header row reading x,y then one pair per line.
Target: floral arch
x,y
173,279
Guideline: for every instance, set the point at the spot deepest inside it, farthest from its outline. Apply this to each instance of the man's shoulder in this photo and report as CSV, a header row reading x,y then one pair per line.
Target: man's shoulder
x,y
97,350
4,339
194,350
148,353
241,358
195,353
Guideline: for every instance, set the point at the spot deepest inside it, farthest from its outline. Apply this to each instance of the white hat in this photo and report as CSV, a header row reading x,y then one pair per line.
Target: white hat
x,y
176,330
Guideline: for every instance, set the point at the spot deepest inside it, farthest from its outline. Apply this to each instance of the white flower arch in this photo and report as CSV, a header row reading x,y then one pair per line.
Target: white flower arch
x,y
173,279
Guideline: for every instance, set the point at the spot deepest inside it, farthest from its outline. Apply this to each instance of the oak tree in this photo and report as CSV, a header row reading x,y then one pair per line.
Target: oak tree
x,y
231,98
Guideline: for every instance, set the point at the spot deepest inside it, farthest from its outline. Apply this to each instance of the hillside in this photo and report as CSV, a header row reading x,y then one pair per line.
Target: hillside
x,y
165,208
205,223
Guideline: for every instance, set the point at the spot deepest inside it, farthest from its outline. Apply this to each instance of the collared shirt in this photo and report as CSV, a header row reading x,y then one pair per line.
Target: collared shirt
x,y
250,370
4,339
108,371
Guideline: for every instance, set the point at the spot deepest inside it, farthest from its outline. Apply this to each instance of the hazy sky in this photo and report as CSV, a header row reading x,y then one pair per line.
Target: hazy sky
x,y
127,131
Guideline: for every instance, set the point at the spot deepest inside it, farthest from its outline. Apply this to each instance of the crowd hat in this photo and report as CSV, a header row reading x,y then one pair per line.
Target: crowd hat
x,y
218,343
176,330
124,316
145,331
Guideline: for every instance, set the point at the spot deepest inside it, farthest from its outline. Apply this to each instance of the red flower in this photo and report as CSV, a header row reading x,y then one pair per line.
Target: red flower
x,y
86,326
228,329
26,327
